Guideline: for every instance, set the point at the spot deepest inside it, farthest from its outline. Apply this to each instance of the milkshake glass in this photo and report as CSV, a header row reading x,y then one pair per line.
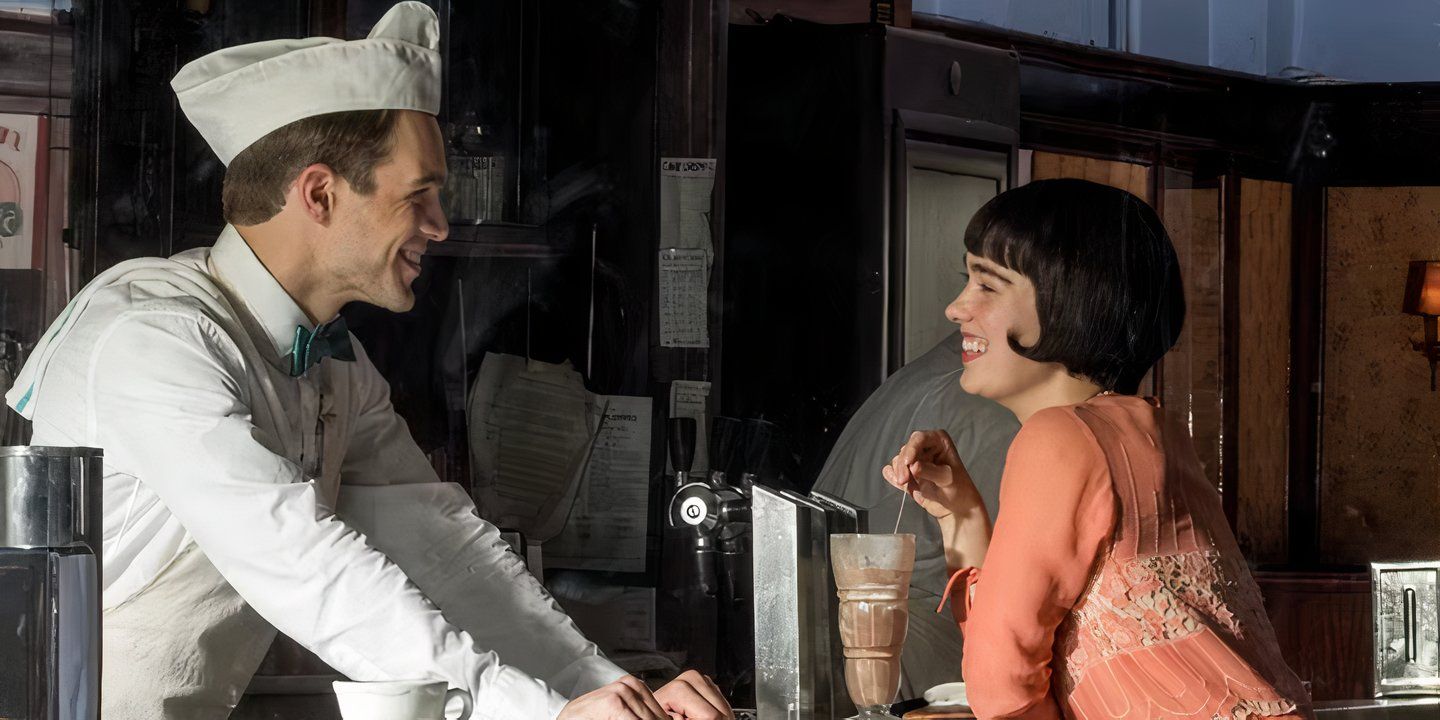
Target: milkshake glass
x,y
872,578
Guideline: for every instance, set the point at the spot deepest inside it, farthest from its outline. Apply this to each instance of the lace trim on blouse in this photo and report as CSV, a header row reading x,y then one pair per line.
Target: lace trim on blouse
x,y
1150,601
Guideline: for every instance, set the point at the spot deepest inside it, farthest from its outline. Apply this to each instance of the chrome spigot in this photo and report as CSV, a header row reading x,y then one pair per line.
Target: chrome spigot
x,y
719,516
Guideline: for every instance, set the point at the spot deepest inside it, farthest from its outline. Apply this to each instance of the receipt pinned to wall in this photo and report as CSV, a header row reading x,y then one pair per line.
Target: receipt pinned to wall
x,y
686,186
684,298
610,516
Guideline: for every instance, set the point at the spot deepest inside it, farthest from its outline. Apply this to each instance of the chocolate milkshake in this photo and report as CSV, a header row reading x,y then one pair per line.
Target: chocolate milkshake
x,y
872,577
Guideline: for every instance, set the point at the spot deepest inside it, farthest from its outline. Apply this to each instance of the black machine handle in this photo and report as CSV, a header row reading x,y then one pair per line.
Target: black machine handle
x,y
705,565
1412,627
682,443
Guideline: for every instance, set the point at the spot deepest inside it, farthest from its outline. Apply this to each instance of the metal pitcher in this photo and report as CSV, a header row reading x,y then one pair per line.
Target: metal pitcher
x,y
50,497
50,528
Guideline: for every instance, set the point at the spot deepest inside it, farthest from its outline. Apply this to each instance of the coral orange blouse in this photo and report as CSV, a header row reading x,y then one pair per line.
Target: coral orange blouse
x,y
1113,587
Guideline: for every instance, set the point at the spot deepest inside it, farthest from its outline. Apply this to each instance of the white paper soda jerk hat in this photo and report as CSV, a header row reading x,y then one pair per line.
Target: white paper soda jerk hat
x,y
238,95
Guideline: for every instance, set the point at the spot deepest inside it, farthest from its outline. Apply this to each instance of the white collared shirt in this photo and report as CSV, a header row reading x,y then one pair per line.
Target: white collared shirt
x,y
178,369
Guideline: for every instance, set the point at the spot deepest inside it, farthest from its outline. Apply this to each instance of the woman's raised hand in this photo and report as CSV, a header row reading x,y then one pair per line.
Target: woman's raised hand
x,y
931,472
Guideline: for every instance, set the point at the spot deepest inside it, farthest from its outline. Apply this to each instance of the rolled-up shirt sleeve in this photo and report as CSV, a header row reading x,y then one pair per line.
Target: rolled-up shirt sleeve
x,y
169,403
1057,513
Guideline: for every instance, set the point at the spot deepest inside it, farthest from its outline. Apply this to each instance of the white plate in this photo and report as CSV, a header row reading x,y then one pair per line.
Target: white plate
x,y
948,695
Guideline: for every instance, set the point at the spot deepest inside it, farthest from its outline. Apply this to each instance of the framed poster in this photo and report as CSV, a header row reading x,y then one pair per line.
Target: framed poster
x,y
24,149
1407,619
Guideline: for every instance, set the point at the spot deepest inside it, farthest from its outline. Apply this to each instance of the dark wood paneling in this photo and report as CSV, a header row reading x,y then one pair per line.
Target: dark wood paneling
x,y
1306,333
1264,382
1381,420
1322,622
1230,440
889,12
1130,177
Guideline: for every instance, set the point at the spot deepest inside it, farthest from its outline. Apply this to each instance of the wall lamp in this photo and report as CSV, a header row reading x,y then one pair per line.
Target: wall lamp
x,y
1422,297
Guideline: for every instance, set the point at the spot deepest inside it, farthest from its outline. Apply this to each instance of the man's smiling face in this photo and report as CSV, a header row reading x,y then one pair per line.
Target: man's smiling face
x,y
381,237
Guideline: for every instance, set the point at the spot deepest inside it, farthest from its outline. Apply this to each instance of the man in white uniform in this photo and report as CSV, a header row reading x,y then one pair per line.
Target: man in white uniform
x,y
232,407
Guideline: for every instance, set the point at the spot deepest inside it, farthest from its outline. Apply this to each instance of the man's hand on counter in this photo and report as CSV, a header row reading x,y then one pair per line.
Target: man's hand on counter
x,y
624,699
693,696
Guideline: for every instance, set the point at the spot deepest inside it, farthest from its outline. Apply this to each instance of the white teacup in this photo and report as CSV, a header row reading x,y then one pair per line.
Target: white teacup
x,y
398,700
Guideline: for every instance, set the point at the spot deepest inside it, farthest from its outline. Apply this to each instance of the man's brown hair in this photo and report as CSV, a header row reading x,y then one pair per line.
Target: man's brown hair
x,y
352,143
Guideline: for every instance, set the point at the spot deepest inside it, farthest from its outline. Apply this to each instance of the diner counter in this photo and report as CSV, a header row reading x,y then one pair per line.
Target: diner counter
x,y
322,707
1379,709
309,697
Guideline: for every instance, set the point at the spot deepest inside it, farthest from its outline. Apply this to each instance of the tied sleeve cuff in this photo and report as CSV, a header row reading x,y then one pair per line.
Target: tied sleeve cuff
x,y
961,608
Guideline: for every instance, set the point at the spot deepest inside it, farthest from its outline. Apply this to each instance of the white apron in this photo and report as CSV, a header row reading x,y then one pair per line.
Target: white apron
x,y
182,649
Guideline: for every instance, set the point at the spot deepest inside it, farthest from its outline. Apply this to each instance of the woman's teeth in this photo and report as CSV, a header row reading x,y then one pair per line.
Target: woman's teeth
x,y
977,346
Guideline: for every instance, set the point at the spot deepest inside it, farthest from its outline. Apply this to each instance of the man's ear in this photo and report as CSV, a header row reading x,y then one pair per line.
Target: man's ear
x,y
315,192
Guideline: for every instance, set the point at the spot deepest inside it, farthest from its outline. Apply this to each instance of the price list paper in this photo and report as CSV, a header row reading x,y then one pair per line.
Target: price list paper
x,y
684,298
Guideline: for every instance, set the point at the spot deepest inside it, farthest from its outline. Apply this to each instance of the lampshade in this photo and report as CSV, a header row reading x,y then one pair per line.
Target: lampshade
x,y
1422,288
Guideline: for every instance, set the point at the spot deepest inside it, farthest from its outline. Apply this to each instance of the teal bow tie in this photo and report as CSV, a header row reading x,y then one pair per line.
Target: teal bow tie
x,y
330,339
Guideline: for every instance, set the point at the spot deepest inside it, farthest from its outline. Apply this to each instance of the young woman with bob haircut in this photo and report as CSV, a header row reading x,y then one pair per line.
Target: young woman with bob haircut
x,y
1112,586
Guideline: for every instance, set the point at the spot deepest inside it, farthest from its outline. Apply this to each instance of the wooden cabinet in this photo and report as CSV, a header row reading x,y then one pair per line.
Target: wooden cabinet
x,y
1322,621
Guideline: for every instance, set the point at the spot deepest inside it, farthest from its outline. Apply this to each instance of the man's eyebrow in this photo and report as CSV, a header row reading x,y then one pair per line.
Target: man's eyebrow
x,y
433,178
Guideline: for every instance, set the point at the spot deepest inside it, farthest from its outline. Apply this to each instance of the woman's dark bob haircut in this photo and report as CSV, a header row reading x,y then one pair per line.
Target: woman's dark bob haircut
x,y
1107,282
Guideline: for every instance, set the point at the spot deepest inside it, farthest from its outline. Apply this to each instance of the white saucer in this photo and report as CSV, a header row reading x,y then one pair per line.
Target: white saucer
x,y
948,695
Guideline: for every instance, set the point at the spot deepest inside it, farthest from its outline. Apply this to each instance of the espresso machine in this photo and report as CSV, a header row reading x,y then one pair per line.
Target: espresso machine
x,y
708,543
771,547
50,528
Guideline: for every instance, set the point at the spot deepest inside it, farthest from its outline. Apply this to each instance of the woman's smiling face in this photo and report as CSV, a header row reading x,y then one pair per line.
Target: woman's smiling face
x,y
997,304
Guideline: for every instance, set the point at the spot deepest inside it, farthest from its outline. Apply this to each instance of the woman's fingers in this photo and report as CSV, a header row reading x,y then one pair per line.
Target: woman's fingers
x,y
900,471
932,473
888,473
906,469
924,495
926,446
928,469
929,498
